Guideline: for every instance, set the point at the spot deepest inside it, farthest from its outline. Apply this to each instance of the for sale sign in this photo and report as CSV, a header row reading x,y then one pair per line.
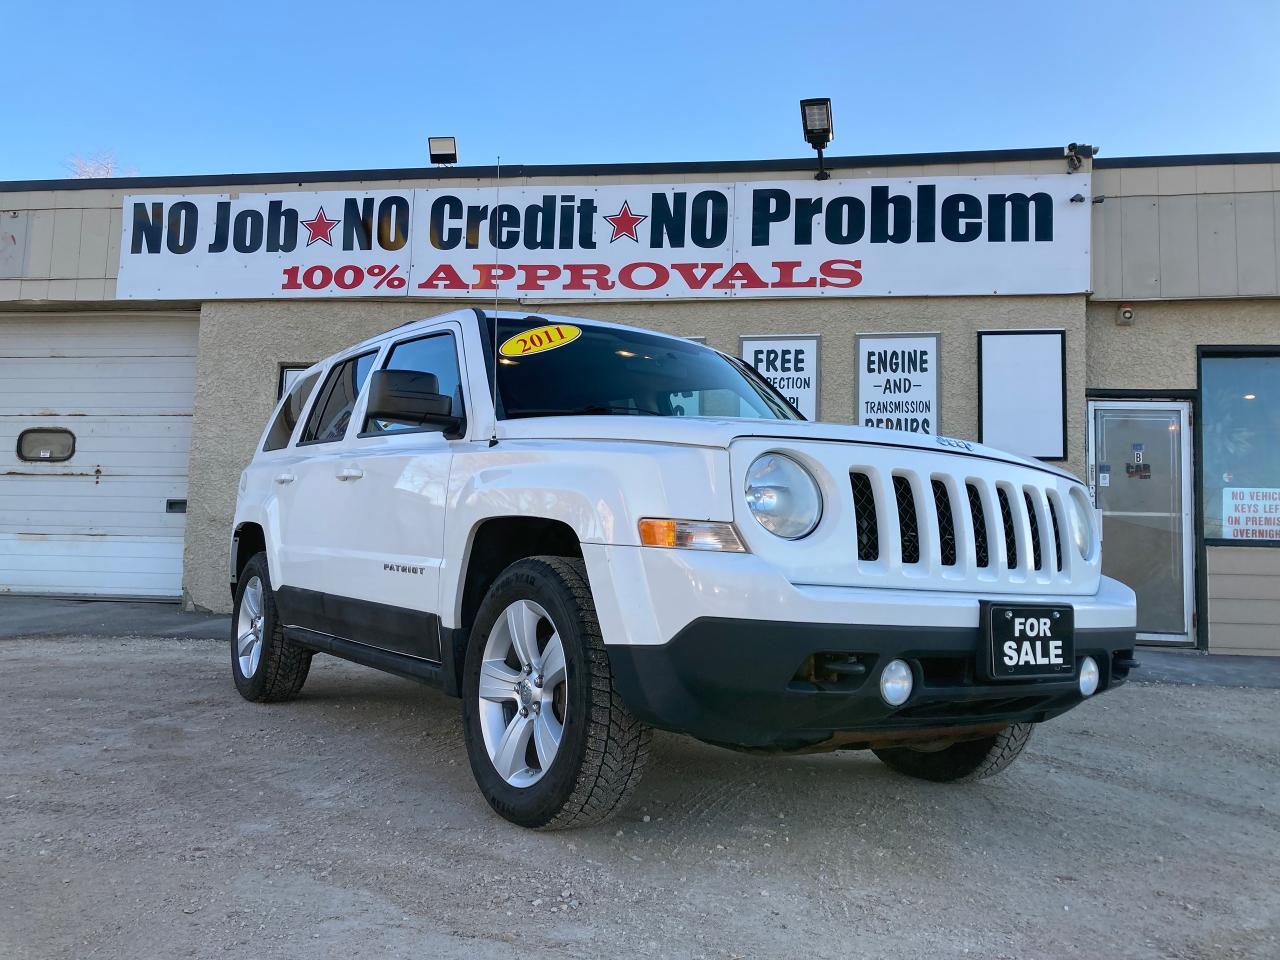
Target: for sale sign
x,y
1250,513
944,235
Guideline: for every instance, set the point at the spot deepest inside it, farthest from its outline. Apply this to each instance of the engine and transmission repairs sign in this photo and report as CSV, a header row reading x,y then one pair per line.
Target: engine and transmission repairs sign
x,y
804,238
898,381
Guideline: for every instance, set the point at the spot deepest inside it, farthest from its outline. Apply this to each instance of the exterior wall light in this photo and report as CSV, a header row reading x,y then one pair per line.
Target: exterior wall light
x,y
818,128
443,150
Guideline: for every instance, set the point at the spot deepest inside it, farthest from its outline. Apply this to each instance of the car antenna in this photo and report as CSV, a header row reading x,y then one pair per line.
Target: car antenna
x,y
497,197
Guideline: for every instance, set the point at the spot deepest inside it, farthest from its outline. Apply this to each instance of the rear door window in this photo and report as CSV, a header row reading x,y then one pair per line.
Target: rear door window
x,y
333,408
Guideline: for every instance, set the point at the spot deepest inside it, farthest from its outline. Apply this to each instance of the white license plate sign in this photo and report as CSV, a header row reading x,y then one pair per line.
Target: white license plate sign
x,y
1026,641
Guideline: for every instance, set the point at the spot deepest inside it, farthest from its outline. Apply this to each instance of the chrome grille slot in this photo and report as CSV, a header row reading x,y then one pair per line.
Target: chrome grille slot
x,y
1037,556
864,515
946,523
908,522
983,555
1010,534
1057,536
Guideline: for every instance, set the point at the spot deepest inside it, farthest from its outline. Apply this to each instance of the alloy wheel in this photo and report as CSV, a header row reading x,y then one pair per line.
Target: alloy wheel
x,y
523,693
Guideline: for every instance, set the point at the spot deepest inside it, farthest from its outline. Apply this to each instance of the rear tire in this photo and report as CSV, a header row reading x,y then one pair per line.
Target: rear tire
x,y
967,760
551,744
266,667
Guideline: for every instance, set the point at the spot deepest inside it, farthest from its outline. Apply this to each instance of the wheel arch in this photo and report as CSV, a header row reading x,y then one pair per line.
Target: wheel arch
x,y
493,544
248,539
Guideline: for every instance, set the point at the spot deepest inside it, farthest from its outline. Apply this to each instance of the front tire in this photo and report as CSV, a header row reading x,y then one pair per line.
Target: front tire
x,y
967,760
266,667
550,742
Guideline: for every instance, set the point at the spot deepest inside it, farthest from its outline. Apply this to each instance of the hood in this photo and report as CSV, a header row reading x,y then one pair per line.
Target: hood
x,y
720,433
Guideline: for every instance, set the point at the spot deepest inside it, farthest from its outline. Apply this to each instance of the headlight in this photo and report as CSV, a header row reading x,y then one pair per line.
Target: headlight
x,y
1081,526
783,496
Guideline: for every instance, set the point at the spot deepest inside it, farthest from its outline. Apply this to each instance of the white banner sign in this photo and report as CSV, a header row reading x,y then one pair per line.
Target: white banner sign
x,y
1251,513
800,238
898,382
791,365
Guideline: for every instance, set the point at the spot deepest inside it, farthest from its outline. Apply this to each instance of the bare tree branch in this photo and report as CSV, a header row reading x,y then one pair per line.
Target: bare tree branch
x,y
96,165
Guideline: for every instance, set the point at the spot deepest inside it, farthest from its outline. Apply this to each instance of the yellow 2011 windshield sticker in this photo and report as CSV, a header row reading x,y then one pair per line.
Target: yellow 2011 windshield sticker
x,y
540,339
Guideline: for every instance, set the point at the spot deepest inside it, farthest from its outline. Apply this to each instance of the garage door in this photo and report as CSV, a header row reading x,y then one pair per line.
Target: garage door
x,y
95,431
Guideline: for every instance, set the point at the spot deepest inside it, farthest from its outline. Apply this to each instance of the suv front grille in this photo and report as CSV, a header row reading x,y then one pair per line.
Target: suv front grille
x,y
955,530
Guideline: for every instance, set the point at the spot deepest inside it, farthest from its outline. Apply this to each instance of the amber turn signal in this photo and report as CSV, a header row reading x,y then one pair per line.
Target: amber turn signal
x,y
690,535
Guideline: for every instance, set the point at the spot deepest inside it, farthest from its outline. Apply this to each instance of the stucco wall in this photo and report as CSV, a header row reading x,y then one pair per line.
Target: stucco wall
x,y
242,345
1158,352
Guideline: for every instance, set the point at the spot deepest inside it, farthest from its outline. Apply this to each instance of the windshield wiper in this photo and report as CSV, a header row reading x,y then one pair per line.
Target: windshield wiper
x,y
595,409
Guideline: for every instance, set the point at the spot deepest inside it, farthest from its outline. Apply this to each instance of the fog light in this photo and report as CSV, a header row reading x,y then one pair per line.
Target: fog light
x,y
1088,677
896,682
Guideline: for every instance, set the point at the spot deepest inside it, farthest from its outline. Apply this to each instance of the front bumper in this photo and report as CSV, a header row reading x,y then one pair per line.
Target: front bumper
x,y
766,684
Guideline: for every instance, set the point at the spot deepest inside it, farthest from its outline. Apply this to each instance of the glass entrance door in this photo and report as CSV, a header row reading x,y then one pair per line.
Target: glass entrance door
x,y
1140,479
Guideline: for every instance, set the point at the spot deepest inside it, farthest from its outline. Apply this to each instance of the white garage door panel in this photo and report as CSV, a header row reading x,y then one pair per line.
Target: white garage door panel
x,y
96,525
146,446
60,335
116,385
91,566
113,506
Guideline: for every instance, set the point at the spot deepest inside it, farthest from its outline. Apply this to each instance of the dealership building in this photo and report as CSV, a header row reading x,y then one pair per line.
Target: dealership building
x,y
1119,317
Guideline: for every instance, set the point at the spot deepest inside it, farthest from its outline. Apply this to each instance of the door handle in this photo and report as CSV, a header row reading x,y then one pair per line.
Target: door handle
x,y
350,473
285,478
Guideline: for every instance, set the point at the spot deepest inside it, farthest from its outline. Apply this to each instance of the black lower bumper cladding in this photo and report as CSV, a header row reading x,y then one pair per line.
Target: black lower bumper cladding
x,y
786,686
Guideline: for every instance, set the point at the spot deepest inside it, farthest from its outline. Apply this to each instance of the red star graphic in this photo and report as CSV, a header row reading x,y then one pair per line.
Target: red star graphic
x,y
320,227
624,223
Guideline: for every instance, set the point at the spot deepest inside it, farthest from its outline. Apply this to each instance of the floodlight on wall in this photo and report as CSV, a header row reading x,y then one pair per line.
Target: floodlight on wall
x,y
443,150
818,129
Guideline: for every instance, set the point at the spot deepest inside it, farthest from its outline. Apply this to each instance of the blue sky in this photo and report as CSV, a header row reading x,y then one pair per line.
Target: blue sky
x,y
184,88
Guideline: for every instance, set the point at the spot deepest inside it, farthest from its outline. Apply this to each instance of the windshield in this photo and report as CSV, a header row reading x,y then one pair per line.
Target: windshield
x,y
550,368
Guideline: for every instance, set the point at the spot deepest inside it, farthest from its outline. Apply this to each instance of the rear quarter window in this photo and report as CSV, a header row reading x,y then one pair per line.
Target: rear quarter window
x,y
290,412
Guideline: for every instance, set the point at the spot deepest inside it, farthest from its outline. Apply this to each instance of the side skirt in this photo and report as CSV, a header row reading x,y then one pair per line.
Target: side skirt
x,y
412,668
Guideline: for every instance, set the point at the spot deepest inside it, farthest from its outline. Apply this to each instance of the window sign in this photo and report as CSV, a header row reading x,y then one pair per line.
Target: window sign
x,y
898,381
791,365
1240,438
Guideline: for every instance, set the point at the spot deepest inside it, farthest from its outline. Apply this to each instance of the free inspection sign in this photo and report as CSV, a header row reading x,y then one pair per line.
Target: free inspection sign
x,y
840,238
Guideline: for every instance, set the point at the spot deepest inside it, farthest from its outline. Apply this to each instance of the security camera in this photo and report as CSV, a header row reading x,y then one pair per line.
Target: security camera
x,y
1074,160
1124,315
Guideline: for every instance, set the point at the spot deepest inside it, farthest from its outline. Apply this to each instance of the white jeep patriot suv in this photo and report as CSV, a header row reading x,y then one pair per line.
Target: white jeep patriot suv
x,y
586,530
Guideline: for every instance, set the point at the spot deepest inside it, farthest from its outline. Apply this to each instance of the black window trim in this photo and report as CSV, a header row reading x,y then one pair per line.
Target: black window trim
x,y
450,330
1226,351
306,421
68,432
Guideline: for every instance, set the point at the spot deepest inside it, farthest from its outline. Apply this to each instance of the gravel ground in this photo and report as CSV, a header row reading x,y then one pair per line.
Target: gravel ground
x,y
147,811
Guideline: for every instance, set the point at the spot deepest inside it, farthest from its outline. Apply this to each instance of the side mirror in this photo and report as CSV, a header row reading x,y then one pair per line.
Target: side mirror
x,y
408,396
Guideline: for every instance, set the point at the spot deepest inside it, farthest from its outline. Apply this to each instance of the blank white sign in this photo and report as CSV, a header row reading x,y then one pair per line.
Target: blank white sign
x,y
1021,391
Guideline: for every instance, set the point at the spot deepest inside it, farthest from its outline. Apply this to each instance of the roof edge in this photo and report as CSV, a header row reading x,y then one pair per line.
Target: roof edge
x,y
1185,160
538,170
